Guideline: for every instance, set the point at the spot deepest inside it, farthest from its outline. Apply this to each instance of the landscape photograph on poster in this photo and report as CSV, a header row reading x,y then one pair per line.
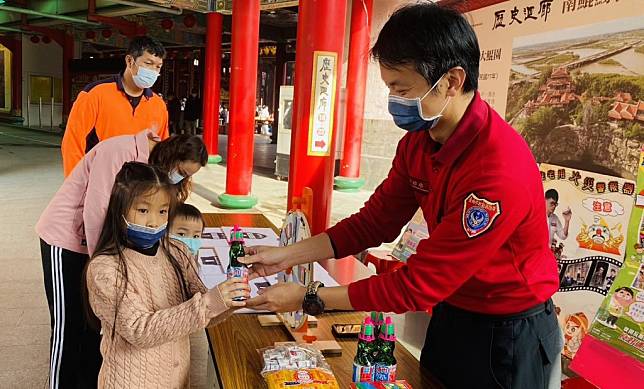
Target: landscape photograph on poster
x,y
577,95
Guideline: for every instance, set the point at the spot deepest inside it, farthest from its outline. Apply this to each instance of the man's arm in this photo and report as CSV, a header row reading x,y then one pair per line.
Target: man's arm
x,y
385,213
451,255
82,119
562,231
382,217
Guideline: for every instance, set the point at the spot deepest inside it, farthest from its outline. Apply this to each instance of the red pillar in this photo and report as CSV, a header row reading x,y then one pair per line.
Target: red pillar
x,y
243,83
349,179
68,55
212,79
307,170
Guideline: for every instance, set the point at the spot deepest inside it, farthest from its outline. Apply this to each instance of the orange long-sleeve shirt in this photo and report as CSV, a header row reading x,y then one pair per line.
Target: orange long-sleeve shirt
x,y
103,110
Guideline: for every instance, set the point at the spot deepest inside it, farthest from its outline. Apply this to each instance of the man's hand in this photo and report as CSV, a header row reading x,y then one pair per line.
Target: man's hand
x,y
567,215
265,260
283,297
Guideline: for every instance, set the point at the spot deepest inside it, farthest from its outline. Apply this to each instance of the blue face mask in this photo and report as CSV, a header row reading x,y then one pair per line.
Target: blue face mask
x,y
144,237
175,177
408,113
194,244
145,78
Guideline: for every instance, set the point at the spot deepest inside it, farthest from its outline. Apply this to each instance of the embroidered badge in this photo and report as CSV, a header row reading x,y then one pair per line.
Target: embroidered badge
x,y
419,185
478,215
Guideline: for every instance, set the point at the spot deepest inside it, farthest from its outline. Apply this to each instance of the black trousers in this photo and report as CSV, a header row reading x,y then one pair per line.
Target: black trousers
x,y
75,358
469,350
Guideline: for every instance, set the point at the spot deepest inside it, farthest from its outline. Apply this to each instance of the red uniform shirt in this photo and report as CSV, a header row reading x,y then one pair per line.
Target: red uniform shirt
x,y
482,197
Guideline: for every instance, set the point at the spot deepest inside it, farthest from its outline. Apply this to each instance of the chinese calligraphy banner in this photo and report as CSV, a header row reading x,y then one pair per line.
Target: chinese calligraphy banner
x,y
587,216
569,76
322,102
620,319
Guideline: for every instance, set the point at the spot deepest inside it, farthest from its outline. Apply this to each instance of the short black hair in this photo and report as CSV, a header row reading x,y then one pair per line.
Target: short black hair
x,y
552,194
189,212
433,39
627,290
141,44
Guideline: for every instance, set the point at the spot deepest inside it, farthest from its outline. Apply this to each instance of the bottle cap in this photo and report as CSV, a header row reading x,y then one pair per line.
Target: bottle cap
x,y
236,235
388,332
367,330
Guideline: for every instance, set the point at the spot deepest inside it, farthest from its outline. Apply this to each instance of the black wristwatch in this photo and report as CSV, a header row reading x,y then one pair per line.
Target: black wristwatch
x,y
313,304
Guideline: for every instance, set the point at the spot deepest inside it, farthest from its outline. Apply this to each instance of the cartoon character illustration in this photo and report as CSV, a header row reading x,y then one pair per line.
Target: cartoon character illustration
x,y
600,237
575,328
619,304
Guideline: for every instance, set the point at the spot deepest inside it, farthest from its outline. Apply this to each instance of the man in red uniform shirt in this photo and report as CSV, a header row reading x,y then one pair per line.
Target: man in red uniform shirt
x,y
486,270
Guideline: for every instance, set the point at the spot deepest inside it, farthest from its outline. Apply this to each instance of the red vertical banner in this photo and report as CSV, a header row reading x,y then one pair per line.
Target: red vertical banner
x,y
212,82
312,164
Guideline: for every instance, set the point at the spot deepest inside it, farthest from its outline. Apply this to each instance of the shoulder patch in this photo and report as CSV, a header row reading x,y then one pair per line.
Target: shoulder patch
x,y
479,214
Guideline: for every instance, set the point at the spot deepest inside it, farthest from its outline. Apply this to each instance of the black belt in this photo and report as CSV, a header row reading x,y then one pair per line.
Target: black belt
x,y
456,312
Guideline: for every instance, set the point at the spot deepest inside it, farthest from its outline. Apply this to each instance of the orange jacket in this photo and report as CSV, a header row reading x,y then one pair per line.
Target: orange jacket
x,y
102,110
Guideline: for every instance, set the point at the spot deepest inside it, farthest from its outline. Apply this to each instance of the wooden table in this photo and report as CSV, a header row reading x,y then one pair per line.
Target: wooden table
x,y
234,343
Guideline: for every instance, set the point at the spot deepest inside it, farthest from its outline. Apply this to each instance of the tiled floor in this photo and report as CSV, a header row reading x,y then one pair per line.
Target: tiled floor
x,y
30,173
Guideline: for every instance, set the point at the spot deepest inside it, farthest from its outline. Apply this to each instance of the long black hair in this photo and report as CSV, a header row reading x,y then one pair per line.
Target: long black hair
x,y
168,153
133,180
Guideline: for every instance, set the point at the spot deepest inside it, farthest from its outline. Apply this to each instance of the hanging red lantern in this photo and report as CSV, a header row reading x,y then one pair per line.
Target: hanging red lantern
x,y
46,39
167,24
106,33
189,20
34,39
90,34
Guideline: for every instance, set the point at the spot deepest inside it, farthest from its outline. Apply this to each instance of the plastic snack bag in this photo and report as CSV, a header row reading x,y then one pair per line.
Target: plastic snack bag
x,y
291,365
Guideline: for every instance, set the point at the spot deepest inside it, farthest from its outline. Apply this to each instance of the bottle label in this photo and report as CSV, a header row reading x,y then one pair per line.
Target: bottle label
x,y
238,272
241,273
384,373
362,373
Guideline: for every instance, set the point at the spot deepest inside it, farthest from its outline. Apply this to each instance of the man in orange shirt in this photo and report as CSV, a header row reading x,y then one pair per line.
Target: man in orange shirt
x,y
121,105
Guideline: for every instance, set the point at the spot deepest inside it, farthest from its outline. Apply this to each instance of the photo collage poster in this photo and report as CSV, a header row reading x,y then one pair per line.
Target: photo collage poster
x,y
620,318
587,216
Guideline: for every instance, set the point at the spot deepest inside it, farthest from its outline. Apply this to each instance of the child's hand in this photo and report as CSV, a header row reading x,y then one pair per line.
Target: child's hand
x,y
232,288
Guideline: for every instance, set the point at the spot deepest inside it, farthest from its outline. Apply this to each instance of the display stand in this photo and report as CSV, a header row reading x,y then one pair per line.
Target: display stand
x,y
302,328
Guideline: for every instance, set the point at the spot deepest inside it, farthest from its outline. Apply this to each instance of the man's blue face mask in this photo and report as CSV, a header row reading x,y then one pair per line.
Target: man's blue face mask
x,y
408,113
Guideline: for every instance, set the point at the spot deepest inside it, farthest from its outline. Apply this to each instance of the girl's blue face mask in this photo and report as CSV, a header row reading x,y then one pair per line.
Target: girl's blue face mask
x,y
194,244
408,113
175,177
144,237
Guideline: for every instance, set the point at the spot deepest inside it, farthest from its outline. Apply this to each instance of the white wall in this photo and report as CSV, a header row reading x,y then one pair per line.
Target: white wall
x,y
42,60
376,92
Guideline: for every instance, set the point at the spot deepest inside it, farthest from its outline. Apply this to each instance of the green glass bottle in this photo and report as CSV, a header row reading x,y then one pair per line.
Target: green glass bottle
x,y
237,269
363,364
385,363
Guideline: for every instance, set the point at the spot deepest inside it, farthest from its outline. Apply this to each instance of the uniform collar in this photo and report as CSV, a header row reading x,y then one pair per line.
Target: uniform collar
x,y
147,92
474,119
142,144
